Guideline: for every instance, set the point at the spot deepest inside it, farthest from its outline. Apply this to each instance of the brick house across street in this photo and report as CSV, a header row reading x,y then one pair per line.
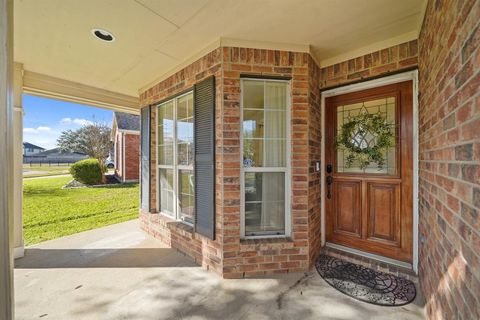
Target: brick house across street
x,y
126,146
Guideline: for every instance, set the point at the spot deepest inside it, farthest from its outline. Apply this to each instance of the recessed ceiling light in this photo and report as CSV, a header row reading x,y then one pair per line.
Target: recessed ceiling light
x,y
103,35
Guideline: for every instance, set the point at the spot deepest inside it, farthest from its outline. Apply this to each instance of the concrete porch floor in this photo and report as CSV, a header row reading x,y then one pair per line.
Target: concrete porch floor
x,y
119,272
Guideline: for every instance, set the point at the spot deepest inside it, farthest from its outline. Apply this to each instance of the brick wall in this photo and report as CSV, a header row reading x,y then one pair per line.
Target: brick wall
x,y
315,155
450,159
232,256
132,156
229,255
206,252
246,258
394,59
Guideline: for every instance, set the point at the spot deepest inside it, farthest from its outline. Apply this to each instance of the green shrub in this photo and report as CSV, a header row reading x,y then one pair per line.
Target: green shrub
x,y
87,171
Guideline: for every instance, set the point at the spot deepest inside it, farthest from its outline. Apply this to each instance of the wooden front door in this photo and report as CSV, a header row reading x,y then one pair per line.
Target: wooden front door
x,y
369,202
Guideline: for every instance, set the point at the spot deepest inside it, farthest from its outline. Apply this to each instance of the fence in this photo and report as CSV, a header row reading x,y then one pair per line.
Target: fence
x,y
49,162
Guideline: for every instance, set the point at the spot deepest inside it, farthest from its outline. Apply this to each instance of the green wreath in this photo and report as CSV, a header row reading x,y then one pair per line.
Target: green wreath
x,y
353,140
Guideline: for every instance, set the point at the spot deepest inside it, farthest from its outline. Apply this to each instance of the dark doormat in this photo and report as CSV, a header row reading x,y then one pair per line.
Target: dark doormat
x,y
365,284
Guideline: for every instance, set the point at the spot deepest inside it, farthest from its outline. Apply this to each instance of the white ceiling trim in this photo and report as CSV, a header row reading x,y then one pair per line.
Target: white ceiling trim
x,y
230,42
370,48
51,87
212,46
241,43
292,47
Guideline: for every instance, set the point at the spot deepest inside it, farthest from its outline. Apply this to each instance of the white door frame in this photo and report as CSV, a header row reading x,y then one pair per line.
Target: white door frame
x,y
401,77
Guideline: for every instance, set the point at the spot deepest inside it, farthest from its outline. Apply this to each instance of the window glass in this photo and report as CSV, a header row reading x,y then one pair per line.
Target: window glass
x,y
166,191
264,145
253,97
264,203
253,124
186,194
275,95
185,130
175,158
264,126
165,133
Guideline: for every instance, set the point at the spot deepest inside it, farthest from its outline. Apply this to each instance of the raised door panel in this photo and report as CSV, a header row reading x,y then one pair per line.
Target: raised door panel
x,y
383,213
347,218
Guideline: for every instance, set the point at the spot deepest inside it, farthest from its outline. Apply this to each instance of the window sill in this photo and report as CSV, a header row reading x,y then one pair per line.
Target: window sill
x,y
182,225
266,240
173,223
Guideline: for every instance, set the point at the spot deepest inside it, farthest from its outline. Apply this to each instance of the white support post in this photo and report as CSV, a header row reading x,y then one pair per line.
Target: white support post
x,y
6,159
18,247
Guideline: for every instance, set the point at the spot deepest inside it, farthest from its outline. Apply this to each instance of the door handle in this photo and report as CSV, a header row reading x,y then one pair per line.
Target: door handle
x,y
329,187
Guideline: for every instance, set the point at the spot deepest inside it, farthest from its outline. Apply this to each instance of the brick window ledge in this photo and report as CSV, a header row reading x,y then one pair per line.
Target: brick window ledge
x,y
266,240
179,226
266,243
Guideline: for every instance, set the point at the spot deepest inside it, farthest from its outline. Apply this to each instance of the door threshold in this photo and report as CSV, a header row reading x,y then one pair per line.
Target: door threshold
x,y
372,256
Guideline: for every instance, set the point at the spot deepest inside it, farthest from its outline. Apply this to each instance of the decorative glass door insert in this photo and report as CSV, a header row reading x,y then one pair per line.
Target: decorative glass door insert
x,y
362,128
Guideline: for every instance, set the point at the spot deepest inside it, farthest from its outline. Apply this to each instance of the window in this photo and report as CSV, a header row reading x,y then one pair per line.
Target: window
x,y
175,158
265,156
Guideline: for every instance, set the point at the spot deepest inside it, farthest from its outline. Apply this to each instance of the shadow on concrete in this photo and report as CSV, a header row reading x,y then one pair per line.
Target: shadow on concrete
x,y
199,296
36,258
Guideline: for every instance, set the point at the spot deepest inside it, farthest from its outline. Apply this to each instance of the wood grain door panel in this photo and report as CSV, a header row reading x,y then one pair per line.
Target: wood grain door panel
x,y
348,218
383,213
372,210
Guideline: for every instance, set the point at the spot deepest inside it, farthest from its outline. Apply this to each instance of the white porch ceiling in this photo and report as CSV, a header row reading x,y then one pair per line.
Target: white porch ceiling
x,y
52,37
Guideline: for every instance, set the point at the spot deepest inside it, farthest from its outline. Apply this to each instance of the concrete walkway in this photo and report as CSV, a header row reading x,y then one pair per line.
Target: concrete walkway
x,y
118,272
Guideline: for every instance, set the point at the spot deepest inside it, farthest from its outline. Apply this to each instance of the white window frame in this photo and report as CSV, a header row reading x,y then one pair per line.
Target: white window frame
x,y
174,167
286,169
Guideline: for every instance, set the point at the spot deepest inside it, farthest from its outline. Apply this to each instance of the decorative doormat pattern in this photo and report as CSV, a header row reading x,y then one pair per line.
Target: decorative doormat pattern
x,y
365,284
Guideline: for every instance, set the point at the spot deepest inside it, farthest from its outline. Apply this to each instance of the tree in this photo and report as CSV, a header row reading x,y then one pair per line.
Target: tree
x,y
92,139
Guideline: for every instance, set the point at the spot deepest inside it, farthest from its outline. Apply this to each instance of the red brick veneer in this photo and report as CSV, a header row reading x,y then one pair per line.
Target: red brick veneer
x,y
229,255
245,258
206,252
382,62
132,156
449,58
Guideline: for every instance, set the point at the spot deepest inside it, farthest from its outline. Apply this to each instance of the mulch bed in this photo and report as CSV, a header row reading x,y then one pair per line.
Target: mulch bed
x,y
110,180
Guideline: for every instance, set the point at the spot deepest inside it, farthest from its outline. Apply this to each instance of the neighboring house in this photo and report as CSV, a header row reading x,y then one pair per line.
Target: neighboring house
x,y
31,149
55,155
126,140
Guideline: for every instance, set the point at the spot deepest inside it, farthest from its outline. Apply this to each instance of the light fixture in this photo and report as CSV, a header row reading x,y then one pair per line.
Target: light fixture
x,y
103,35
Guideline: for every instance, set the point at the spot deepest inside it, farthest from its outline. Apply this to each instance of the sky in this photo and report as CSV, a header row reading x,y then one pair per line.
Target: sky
x,y
45,119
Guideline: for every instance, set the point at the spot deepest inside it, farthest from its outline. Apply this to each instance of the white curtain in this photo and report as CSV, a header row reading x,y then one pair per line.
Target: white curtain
x,y
273,201
275,124
273,184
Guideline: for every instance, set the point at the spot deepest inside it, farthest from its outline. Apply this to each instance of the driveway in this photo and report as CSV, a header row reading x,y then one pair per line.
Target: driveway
x,y
118,272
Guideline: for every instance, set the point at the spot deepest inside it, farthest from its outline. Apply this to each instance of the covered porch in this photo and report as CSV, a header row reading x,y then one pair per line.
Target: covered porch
x,y
240,171
120,272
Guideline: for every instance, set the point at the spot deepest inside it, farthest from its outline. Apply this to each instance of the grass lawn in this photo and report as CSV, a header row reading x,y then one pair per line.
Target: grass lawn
x,y
50,212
